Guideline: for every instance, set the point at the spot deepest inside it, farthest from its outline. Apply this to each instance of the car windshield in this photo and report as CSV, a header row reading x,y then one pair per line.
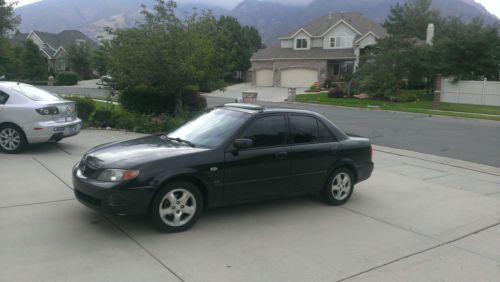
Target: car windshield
x,y
35,93
212,128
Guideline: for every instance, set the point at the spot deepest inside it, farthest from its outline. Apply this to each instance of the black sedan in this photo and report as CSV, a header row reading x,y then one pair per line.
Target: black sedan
x,y
231,154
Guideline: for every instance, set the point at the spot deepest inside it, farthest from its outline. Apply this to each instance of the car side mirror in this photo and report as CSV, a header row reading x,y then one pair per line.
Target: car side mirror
x,y
243,143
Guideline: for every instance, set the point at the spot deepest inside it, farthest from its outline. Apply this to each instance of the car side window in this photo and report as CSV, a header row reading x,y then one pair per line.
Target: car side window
x,y
3,97
324,134
308,129
266,131
304,129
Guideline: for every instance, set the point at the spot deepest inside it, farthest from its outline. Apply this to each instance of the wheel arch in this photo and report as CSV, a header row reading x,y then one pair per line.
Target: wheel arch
x,y
344,163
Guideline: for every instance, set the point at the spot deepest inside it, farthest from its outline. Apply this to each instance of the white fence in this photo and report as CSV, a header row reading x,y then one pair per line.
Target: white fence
x,y
471,92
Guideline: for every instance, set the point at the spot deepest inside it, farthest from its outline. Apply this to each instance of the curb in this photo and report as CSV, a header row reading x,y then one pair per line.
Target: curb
x,y
440,160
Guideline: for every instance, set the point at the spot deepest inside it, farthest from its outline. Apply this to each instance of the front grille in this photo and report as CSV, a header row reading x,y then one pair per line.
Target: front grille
x,y
89,166
88,199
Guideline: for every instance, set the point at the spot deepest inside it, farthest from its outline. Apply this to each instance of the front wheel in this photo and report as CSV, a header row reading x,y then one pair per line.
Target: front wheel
x,y
176,207
12,139
339,187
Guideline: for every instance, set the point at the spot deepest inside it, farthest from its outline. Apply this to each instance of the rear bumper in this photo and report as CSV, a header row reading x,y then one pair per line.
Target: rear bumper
x,y
365,171
112,198
49,130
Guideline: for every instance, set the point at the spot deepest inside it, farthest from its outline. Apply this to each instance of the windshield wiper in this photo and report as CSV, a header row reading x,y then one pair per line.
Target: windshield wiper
x,y
165,137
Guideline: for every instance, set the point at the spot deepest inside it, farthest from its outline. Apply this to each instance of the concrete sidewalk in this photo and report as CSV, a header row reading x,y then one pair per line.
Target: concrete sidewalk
x,y
419,218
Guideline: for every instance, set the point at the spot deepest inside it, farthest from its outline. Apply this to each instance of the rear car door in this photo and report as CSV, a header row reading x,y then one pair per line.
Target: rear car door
x,y
262,170
314,150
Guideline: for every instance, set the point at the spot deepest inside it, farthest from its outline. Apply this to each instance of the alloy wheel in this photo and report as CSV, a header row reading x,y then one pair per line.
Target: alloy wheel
x,y
177,207
10,139
341,186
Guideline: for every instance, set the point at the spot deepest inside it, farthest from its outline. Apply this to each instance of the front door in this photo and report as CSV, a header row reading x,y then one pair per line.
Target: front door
x,y
263,170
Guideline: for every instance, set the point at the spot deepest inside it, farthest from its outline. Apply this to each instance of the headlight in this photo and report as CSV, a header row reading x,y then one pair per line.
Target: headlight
x,y
117,175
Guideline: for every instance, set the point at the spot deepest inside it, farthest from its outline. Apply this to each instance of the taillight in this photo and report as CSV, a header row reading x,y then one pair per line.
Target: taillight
x,y
48,111
371,152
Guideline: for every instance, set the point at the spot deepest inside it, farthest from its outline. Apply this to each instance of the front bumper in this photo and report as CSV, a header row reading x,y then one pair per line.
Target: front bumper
x,y
49,130
126,198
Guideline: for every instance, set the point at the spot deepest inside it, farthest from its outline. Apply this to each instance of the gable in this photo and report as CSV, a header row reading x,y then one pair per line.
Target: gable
x,y
340,30
366,40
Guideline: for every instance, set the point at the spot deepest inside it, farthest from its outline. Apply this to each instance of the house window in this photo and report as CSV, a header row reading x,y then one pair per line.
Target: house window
x,y
301,43
332,42
336,69
341,41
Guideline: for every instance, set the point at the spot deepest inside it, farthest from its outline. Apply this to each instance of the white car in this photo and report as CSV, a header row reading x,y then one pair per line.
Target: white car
x,y
31,115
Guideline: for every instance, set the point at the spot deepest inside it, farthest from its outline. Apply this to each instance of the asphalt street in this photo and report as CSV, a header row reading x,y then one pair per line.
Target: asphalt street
x,y
459,138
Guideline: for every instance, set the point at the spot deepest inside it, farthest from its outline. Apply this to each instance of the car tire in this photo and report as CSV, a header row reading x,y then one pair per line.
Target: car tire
x,y
339,188
12,139
176,207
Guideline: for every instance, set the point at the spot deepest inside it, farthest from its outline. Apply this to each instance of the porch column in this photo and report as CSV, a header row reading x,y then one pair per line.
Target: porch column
x,y
356,60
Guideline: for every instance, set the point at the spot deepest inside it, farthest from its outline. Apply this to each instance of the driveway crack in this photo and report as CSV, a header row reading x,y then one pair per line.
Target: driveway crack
x,y
51,172
421,251
142,247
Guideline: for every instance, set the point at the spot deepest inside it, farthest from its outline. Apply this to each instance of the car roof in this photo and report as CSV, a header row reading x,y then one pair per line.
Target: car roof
x,y
252,108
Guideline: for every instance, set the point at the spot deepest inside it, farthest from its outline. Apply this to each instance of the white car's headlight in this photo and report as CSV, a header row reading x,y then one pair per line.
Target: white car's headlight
x,y
117,175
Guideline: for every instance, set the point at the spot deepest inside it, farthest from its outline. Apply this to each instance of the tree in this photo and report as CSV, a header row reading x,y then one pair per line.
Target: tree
x,y
8,23
402,54
101,58
79,58
156,61
34,64
467,50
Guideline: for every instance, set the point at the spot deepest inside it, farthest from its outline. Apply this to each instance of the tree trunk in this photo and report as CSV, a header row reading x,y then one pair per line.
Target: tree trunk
x,y
178,103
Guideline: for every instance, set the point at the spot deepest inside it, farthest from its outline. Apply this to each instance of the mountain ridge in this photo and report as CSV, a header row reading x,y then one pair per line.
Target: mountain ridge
x,y
272,19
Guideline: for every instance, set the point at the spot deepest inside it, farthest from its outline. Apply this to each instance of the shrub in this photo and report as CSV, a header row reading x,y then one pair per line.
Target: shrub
x,y
337,92
329,82
85,106
103,117
147,100
192,99
67,78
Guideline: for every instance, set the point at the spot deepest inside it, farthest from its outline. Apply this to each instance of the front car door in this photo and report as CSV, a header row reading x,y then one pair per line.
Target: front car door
x,y
314,150
263,170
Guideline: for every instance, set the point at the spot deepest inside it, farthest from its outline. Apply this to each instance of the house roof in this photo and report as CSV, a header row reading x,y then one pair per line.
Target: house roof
x,y
56,40
276,52
356,20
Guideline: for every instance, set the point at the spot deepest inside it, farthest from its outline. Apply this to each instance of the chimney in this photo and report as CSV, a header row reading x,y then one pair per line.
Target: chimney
x,y
430,34
330,16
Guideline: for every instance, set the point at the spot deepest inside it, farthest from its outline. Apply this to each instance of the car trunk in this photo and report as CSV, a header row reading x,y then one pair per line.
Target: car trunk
x,y
67,111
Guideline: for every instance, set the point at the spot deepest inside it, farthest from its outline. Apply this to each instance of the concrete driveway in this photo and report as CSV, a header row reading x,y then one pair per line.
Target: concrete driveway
x,y
419,218
265,94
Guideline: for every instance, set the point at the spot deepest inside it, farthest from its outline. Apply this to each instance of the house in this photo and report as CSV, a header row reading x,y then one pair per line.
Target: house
x,y
327,47
53,46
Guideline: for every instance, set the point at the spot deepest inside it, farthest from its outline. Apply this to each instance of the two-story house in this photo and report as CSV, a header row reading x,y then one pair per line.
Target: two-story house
x,y
54,45
329,46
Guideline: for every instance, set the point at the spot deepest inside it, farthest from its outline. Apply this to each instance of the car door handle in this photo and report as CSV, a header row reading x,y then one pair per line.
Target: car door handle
x,y
281,155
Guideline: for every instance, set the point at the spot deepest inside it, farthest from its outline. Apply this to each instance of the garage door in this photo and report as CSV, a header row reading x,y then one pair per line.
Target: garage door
x,y
264,77
298,77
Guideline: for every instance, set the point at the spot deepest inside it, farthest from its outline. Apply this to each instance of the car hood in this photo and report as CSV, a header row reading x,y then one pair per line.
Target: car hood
x,y
130,153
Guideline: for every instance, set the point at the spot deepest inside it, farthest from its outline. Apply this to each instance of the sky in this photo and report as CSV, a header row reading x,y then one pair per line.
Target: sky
x,y
493,6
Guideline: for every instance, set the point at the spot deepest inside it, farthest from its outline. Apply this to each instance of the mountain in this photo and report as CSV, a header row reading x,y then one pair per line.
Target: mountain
x,y
271,18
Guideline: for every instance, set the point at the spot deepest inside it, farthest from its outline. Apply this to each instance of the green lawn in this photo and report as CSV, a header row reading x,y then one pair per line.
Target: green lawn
x,y
424,105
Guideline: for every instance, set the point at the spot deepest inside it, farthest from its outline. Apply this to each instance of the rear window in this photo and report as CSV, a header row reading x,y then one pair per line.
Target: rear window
x,y
35,93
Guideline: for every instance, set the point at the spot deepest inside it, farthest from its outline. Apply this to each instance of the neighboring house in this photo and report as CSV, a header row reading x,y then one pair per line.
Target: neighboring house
x,y
327,47
54,46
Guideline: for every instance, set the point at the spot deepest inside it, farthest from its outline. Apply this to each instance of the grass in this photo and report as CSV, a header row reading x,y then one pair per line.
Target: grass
x,y
423,105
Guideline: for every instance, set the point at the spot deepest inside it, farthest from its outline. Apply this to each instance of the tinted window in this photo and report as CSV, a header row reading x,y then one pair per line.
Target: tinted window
x,y
3,98
324,133
267,131
304,129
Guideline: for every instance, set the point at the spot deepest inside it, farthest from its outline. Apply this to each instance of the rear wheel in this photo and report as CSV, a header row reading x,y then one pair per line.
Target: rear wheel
x,y
339,188
12,139
177,206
